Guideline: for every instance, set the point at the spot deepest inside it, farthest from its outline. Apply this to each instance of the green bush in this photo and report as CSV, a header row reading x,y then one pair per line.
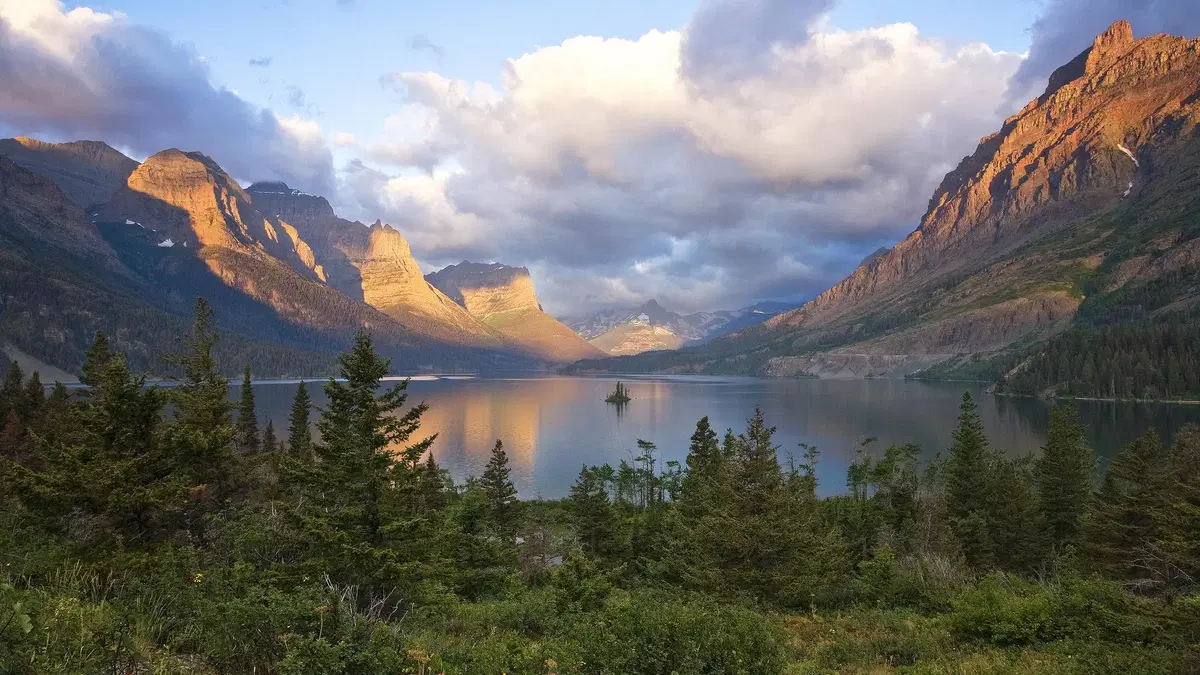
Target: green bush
x,y
647,635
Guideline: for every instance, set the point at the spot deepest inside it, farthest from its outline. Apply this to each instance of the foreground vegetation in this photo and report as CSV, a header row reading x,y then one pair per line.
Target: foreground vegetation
x,y
198,542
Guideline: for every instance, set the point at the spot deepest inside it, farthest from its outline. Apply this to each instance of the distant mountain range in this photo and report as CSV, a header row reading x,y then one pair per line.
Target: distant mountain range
x,y
1082,210
93,240
649,327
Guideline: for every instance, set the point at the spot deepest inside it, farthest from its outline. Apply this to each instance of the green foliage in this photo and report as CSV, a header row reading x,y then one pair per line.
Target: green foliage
x,y
122,549
246,431
299,433
1126,360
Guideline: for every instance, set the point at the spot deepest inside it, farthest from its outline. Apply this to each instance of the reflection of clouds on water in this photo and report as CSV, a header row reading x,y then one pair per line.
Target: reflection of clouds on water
x,y
551,426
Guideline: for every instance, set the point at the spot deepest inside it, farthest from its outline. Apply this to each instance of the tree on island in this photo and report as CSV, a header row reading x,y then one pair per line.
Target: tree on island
x,y
619,395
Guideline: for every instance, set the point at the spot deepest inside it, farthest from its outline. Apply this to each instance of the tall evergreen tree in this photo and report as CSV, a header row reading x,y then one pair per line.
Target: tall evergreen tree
x,y
269,442
969,481
360,496
34,396
299,433
201,435
12,391
1064,477
247,420
592,513
1129,510
97,358
1014,518
504,509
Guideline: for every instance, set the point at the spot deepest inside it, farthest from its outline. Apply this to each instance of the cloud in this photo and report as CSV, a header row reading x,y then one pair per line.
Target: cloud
x,y
422,43
261,62
295,96
1067,27
758,153
86,74
345,140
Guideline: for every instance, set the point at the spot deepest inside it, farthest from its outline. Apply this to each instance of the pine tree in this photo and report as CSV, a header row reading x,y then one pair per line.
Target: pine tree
x,y
1128,513
299,433
12,392
97,358
269,442
361,495
247,420
504,509
34,397
969,481
1064,477
201,435
592,514
1014,519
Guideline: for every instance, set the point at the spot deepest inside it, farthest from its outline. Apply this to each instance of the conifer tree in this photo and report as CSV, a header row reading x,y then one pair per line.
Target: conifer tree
x,y
97,358
247,420
504,509
299,433
1064,477
360,497
592,513
269,442
201,435
968,475
12,392
34,397
1015,520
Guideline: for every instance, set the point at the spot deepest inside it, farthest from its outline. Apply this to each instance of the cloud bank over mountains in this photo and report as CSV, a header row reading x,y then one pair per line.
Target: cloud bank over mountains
x,y
757,152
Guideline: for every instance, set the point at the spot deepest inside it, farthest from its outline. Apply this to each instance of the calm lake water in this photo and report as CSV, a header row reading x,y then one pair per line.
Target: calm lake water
x,y
552,425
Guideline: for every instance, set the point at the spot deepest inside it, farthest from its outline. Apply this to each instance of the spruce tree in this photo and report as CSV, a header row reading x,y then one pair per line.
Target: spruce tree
x,y
34,397
1129,511
97,358
247,420
1015,519
969,481
592,514
12,392
1064,477
360,496
201,435
299,433
269,442
504,509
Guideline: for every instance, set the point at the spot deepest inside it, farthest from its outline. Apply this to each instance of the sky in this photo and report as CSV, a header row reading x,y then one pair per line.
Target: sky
x,y
707,154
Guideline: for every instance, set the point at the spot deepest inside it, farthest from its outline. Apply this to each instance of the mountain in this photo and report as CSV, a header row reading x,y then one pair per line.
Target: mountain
x,y
650,327
1084,208
60,281
88,172
503,297
179,227
375,265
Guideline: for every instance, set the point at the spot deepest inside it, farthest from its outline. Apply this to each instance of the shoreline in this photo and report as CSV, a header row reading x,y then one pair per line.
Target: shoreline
x,y
1182,401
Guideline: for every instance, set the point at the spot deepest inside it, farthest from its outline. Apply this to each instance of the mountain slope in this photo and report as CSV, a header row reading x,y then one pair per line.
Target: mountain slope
x,y
181,227
373,264
88,172
503,297
60,282
1081,208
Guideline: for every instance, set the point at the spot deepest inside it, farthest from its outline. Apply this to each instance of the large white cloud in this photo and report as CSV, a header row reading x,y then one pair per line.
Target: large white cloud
x,y
757,153
66,75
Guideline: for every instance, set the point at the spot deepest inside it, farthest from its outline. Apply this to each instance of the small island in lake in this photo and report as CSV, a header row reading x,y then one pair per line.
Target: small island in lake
x,y
620,395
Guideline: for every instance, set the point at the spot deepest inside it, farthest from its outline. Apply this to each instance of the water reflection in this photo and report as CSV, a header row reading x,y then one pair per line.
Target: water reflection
x,y
551,425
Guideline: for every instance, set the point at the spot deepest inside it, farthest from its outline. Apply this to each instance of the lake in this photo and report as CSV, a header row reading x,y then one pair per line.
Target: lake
x,y
551,426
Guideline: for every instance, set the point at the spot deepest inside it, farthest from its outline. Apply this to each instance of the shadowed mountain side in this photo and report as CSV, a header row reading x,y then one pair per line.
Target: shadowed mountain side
x,y
88,172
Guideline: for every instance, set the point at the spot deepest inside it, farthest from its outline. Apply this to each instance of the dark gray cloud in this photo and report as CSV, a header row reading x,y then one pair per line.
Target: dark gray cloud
x,y
1067,27
87,75
726,38
261,62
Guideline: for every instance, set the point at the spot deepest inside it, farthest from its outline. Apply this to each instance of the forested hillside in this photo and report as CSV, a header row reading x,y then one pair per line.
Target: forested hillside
x,y
200,541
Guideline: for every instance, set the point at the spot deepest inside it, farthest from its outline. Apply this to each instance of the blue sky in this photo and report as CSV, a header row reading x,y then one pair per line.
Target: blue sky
x,y
333,52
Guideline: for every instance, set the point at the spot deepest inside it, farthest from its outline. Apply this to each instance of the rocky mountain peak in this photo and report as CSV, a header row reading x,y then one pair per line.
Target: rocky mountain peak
x,y
298,208
486,289
88,172
1081,148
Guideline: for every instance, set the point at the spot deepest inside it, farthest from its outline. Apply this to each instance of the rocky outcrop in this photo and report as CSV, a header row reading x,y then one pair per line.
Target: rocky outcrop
x,y
504,298
373,264
88,172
